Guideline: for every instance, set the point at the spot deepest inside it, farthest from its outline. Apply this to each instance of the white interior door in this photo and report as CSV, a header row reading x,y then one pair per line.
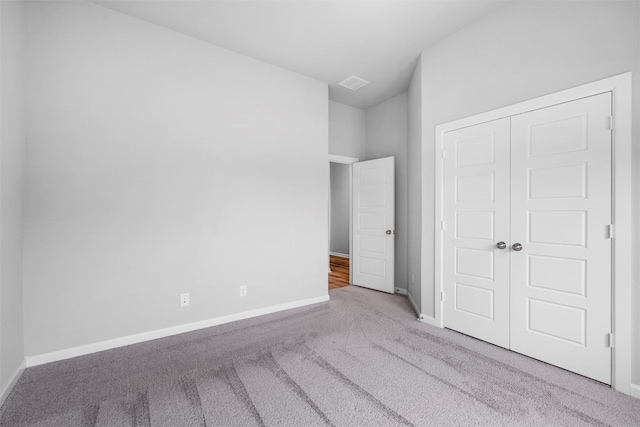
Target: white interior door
x,y
560,214
373,225
476,271
541,183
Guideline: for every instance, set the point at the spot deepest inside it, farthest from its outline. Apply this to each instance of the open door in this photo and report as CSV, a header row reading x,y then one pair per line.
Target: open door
x,y
373,224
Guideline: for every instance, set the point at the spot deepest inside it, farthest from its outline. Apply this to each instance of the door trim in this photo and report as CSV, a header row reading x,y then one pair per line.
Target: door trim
x,y
620,86
345,160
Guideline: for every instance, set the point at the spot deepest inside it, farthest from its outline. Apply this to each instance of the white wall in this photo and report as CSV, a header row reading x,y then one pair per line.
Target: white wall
x,y
347,130
522,51
12,146
158,164
387,136
414,187
340,212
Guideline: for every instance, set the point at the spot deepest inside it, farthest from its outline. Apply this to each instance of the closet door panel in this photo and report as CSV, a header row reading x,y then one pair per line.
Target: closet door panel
x,y
560,213
476,272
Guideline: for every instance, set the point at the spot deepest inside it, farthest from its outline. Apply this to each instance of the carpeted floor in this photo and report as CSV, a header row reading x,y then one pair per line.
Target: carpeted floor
x,y
361,359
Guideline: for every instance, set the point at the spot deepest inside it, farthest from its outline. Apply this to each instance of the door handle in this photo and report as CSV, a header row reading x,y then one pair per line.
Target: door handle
x,y
501,245
516,247
390,232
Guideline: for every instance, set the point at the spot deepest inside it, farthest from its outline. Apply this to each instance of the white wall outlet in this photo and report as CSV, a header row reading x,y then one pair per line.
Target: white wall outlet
x,y
184,300
243,291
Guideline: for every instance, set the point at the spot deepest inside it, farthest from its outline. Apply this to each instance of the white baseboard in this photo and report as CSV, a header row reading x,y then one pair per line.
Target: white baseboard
x,y
68,353
413,304
422,317
339,255
401,291
635,390
429,320
6,390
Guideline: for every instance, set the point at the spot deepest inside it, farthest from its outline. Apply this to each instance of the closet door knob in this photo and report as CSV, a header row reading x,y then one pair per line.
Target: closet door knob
x,y
501,245
516,247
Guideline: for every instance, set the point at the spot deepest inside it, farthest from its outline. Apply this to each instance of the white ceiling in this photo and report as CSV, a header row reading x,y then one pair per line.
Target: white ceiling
x,y
379,41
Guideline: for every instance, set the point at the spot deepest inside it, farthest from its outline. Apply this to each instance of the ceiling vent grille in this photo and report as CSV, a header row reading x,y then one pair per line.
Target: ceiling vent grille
x,y
353,83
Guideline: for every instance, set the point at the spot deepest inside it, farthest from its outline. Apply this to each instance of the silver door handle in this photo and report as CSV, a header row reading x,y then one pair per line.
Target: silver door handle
x,y
516,247
501,245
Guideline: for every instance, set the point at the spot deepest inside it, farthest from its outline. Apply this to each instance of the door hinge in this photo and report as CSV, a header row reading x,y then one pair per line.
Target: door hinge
x,y
443,154
610,340
610,122
611,231
441,225
441,295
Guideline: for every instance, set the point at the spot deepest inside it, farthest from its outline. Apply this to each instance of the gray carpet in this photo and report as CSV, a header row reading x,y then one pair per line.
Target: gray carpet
x,y
361,359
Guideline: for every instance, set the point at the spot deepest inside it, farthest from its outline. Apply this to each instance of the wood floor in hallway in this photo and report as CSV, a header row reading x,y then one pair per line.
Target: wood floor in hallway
x,y
339,275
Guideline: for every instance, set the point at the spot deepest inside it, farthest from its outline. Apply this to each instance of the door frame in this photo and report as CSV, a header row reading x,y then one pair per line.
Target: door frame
x,y
620,86
345,160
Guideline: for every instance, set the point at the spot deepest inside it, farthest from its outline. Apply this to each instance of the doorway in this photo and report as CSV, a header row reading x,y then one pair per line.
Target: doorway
x,y
339,225
370,223
339,257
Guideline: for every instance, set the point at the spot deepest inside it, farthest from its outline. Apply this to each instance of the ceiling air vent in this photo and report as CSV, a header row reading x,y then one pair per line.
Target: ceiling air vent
x,y
354,83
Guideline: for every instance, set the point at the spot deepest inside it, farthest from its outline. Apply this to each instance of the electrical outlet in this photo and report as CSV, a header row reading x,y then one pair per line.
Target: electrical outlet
x,y
184,300
243,291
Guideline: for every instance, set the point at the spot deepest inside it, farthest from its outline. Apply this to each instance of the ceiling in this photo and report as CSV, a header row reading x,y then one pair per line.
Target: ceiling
x,y
379,41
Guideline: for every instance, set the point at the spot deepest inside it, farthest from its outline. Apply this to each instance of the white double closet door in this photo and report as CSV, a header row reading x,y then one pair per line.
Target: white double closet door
x,y
527,245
